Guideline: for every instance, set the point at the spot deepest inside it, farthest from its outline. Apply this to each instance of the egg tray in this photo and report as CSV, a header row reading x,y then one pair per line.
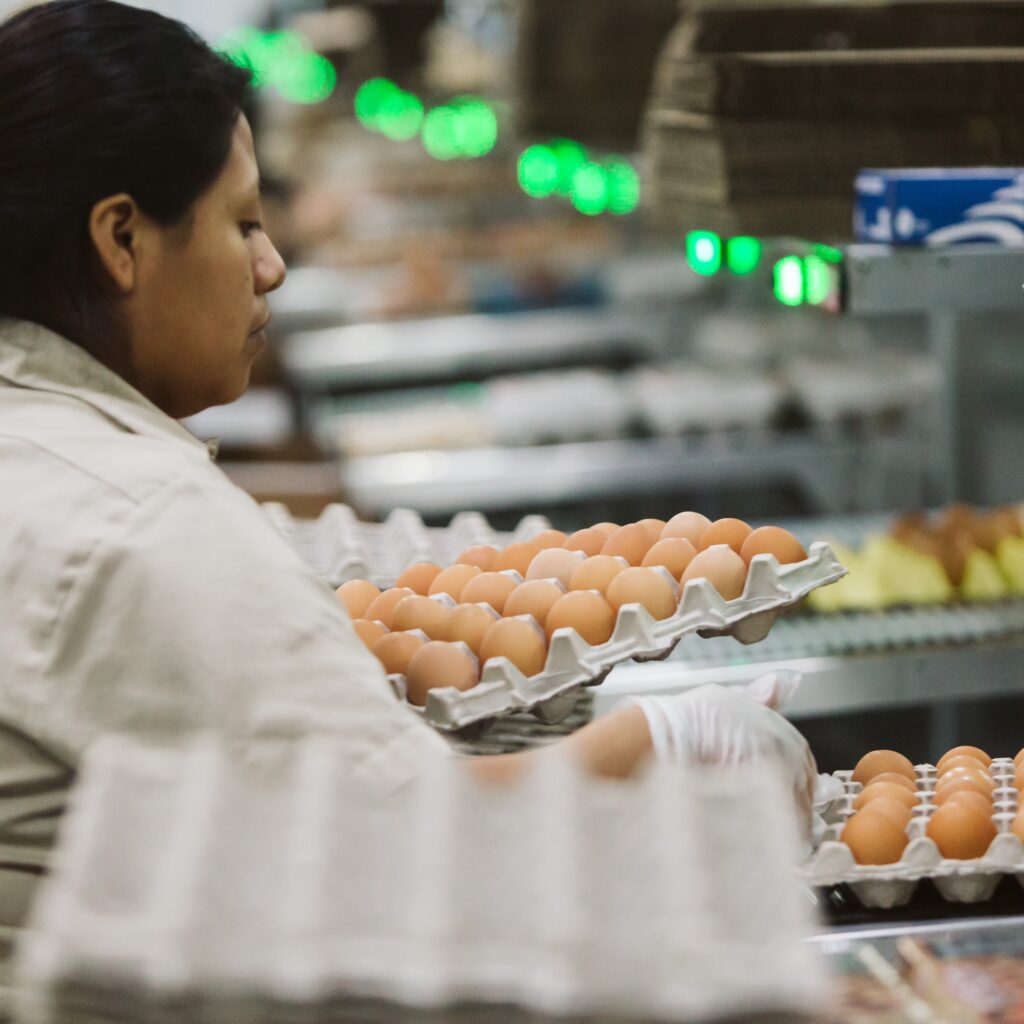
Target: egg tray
x,y
340,547
886,886
573,664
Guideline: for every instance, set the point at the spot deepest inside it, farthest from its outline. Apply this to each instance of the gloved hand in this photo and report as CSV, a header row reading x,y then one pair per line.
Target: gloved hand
x,y
733,726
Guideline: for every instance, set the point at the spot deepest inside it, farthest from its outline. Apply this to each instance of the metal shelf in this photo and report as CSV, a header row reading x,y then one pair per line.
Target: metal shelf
x,y
451,348
831,470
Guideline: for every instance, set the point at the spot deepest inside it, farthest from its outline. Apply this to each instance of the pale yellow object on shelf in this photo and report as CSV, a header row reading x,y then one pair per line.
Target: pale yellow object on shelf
x,y
1010,555
907,576
859,589
982,579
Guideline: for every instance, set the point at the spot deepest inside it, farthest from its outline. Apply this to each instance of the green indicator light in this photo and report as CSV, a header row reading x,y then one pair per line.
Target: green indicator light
x,y
829,253
400,117
307,78
704,252
476,126
538,171
372,97
441,133
743,254
589,191
818,277
790,281
623,187
571,157
250,48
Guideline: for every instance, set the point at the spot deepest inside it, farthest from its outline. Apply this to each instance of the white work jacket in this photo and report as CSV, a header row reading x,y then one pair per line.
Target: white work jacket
x,y
142,592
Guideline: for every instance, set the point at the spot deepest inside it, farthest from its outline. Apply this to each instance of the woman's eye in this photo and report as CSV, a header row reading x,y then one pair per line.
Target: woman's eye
x,y
249,226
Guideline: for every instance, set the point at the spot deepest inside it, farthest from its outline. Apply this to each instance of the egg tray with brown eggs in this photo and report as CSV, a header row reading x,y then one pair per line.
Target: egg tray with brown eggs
x,y
958,824
610,608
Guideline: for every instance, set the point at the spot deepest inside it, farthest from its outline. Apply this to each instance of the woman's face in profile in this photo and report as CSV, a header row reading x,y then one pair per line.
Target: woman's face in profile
x,y
200,302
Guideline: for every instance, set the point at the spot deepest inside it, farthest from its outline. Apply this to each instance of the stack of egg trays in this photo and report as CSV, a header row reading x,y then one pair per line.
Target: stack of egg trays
x,y
197,885
572,663
892,885
340,547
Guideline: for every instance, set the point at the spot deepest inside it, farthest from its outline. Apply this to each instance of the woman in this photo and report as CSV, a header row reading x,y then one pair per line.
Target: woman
x,y
139,590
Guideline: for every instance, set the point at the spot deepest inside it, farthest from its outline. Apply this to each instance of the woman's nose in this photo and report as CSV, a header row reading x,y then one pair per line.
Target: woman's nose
x,y
270,268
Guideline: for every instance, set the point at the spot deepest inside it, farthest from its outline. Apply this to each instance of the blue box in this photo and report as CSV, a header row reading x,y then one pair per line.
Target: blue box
x,y
940,206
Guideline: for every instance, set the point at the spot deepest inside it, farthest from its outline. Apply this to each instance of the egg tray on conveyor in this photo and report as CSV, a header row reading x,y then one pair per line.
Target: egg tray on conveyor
x,y
340,547
892,885
572,663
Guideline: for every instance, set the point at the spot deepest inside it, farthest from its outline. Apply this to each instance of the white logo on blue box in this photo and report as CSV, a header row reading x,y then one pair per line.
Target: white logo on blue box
x,y
940,206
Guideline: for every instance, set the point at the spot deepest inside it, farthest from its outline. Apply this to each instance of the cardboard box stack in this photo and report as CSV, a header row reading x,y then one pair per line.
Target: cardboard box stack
x,y
762,114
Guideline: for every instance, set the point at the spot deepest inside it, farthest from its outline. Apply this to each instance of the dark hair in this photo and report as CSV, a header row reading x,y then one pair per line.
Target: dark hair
x,y
98,98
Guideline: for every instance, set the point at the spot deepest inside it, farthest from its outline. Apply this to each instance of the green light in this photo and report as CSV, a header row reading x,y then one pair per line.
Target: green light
x,y
818,278
538,171
308,78
623,187
790,282
828,253
743,254
476,126
372,97
250,48
589,190
400,117
441,134
571,157
704,252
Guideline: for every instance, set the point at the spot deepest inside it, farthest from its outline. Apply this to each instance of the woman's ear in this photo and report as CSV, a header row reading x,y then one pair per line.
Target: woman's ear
x,y
114,225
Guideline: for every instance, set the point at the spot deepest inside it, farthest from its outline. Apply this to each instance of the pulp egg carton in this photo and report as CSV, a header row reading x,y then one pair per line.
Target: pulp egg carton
x,y
192,884
892,885
572,663
340,547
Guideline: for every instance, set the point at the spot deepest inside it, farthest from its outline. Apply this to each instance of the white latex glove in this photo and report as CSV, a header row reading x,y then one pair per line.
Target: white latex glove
x,y
733,726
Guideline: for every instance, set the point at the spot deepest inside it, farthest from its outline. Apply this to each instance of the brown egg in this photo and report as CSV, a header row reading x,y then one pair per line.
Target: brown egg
x,y
394,651
452,580
976,752
587,612
688,525
899,780
732,532
1018,759
874,790
1018,779
356,596
418,612
630,542
535,597
968,783
418,577
1017,827
548,539
898,813
596,573
953,776
674,553
646,587
382,608
773,540
483,556
722,568
439,664
491,588
960,832
555,564
878,761
589,542
972,798
653,528
469,622
874,839
369,631
606,528
516,556
962,761
520,640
